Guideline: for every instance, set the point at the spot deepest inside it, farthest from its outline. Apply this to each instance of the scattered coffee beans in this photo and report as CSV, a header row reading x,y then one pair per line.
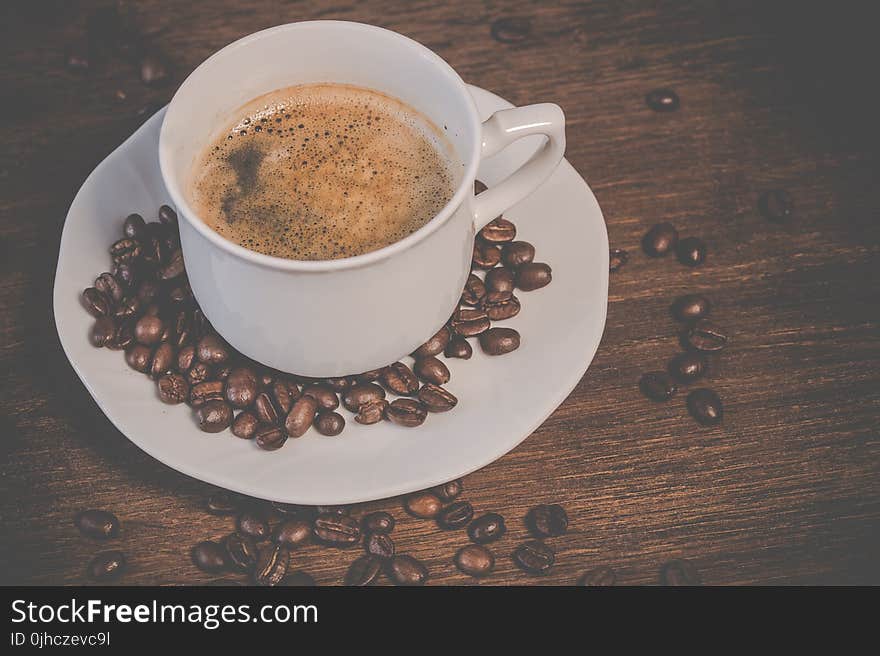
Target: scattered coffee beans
x,y
323,394
616,259
498,231
705,335
437,399
448,491
209,556
106,566
329,423
705,406
245,425
660,239
517,253
423,504
487,528
363,571
498,341
293,533
400,379
475,560
254,524
547,520
380,545
431,370
500,279
301,416
378,522
406,570
406,412
657,385
458,347
486,255
97,524
533,275
662,100
241,552
223,503
455,515
691,251
438,342
690,307
271,565
337,530
689,366
534,557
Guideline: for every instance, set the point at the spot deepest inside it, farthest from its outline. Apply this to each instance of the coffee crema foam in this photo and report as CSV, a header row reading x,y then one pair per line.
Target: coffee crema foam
x,y
323,171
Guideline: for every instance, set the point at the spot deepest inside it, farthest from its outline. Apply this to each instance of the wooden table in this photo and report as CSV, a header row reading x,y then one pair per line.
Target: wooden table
x,y
786,490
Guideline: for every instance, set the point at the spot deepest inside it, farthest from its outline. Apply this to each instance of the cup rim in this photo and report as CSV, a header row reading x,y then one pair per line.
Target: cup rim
x,y
271,261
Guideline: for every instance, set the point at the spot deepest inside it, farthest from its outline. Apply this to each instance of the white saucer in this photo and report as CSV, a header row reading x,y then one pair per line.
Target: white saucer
x,y
501,399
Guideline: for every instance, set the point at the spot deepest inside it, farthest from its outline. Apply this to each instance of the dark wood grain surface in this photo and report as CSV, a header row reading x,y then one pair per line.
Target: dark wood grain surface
x,y
786,490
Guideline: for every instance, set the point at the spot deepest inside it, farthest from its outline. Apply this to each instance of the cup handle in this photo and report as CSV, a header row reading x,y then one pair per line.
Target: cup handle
x,y
503,128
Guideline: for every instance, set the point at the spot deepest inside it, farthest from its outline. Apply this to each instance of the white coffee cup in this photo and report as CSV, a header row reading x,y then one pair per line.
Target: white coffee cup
x,y
340,317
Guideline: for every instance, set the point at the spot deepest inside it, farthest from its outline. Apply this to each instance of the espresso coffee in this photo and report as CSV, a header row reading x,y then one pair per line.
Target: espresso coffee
x,y
323,171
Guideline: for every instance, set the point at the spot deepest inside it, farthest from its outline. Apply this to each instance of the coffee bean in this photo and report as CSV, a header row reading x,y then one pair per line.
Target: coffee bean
x,y
517,253
125,250
106,566
223,503
371,412
95,302
337,530
153,69
284,393
660,239
173,268
500,306
124,336
339,384
690,307
269,437
456,515
400,379
705,336
103,331
534,557
378,522
271,566
199,373
431,370
475,560
691,251
469,322
245,425
361,393
329,423
147,292
241,551
498,231
108,285
148,330
487,528
253,523
776,205
138,357
448,491
705,406
425,505
379,544
265,410
363,571
293,533
127,307
134,226
299,579
498,341
241,387
437,399
680,572
126,275
533,275
335,510
163,360
599,577
474,291
173,389
97,524
214,416
212,350
323,394
301,416
501,279
485,255
689,366
206,392
372,375
662,100
406,570
209,556
167,215
657,385
616,259
547,520
406,412
458,347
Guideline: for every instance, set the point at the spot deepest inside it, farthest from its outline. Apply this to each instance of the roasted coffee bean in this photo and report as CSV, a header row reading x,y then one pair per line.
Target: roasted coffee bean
x,y
498,231
241,551
371,412
469,322
134,226
323,394
124,336
284,393
599,577
487,528
223,503
406,570
269,437
547,520
125,250
361,393
662,100
776,205
106,566
458,347
498,341
680,573
241,387
705,336
431,370
206,392
474,291
181,331
138,357
705,406
329,423
475,560
272,565
689,366
209,556
293,533
299,579
400,379
265,409
434,345
500,279
337,530
616,259
301,416
148,330
339,384
378,522
657,385
214,416
456,515
167,215
173,388
222,372
660,239
245,425
534,557
336,510
212,350
198,373
97,524
690,307
406,412
369,376
253,523
103,331
533,275
500,306
95,302
173,267
485,255
426,505
448,491
109,286
201,325
517,253
163,360
379,544
127,307
363,571
691,251
437,399
125,274
147,292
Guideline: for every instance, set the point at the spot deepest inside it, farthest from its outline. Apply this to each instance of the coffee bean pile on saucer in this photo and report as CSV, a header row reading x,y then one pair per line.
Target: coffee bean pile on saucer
x,y
144,306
